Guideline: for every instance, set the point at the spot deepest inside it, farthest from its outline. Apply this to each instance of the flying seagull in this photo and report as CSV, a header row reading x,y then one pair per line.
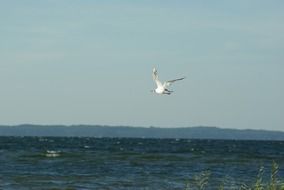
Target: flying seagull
x,y
162,88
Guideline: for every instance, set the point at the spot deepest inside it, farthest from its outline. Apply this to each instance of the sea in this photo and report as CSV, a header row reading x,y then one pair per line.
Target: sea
x,y
71,163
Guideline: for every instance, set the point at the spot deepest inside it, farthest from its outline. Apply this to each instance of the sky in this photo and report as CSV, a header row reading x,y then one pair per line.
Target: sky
x,y
90,62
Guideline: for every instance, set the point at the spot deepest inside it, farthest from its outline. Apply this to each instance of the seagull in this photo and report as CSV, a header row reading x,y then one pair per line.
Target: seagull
x,y
162,88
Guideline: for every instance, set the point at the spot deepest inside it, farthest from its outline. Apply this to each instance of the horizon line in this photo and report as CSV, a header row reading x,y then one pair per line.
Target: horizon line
x,y
136,126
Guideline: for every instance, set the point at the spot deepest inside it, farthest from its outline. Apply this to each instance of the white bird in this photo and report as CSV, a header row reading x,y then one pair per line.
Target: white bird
x,y
162,88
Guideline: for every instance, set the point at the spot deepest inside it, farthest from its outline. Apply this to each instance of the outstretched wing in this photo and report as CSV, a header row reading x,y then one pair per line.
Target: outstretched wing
x,y
155,77
168,83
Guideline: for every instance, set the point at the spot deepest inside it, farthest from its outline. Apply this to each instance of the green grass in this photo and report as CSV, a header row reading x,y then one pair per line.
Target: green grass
x,y
200,181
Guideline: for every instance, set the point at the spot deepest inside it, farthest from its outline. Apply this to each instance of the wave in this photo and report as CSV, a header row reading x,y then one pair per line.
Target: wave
x,y
52,153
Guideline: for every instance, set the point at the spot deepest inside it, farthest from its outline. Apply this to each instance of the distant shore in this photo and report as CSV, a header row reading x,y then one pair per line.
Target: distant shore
x,y
199,132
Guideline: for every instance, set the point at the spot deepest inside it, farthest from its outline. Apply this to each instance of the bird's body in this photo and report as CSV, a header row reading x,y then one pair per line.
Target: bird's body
x,y
162,87
159,90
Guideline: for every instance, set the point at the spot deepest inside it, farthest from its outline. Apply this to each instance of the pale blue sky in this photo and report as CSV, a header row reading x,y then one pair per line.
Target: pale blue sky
x,y
90,62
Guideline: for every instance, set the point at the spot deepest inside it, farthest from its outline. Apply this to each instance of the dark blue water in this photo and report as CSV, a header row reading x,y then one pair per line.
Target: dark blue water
x,y
112,163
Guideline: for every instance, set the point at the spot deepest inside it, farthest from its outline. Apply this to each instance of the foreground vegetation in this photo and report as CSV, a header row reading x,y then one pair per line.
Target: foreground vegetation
x,y
200,181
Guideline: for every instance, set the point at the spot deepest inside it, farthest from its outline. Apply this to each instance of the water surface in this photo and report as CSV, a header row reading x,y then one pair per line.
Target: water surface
x,y
124,163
